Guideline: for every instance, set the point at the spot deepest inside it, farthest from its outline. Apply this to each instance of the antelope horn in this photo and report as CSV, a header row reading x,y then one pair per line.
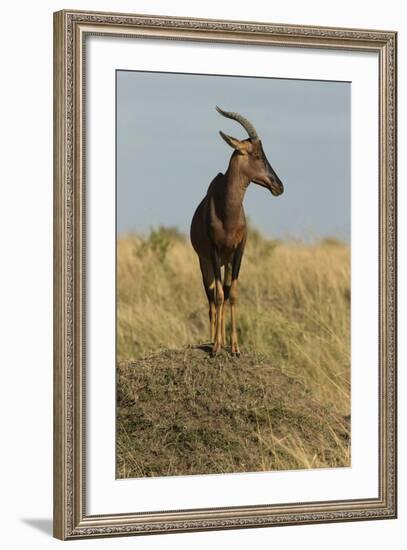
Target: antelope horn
x,y
248,126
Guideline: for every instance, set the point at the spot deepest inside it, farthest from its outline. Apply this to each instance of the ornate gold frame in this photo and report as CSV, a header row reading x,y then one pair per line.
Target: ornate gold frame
x,y
70,31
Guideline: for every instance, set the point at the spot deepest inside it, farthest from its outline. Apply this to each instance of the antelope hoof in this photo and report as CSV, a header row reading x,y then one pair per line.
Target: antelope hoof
x,y
235,351
216,348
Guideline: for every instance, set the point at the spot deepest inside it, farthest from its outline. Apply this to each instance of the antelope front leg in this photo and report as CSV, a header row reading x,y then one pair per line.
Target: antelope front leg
x,y
237,260
219,298
212,321
217,346
224,321
226,291
233,310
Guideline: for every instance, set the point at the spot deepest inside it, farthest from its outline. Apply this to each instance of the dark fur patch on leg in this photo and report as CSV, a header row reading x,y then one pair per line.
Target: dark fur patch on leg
x,y
210,294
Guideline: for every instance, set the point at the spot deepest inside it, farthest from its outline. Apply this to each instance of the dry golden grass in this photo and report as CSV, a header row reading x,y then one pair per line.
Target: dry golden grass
x,y
293,317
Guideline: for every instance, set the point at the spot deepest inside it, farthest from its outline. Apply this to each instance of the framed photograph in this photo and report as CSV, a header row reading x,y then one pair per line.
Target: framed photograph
x,y
225,274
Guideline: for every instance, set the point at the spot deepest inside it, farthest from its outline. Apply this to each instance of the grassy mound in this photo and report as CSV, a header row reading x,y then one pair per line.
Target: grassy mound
x,y
182,412
294,305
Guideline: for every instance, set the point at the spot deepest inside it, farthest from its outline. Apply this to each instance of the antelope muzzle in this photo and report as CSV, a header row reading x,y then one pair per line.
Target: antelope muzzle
x,y
276,185
273,182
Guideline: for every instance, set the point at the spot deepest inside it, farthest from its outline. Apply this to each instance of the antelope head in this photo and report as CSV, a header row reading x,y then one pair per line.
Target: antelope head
x,y
253,163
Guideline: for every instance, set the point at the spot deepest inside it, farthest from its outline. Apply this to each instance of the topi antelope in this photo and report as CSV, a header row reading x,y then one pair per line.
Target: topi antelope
x,y
218,228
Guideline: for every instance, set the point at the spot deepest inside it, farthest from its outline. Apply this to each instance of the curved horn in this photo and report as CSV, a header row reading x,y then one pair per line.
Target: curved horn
x,y
248,126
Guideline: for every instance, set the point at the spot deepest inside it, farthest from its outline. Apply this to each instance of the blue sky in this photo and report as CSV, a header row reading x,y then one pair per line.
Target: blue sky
x,y
169,150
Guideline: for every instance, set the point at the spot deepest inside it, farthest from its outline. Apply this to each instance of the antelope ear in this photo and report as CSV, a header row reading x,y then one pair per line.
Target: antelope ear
x,y
233,142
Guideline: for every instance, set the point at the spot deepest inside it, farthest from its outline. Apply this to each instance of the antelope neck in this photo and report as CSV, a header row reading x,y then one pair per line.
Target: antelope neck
x,y
236,184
